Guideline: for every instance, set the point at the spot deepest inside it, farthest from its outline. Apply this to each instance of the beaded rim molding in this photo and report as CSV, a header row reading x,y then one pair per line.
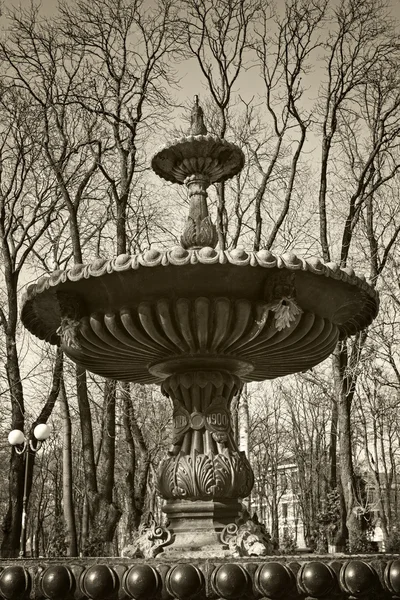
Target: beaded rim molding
x,y
179,256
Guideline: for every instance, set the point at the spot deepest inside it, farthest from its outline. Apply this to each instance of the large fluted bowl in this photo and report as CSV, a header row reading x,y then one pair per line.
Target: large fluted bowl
x,y
143,317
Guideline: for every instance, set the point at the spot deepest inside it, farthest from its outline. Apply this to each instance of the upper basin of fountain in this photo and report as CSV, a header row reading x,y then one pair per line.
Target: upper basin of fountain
x,y
198,152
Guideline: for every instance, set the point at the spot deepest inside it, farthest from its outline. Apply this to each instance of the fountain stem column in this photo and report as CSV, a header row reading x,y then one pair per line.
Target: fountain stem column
x,y
199,230
204,475
197,185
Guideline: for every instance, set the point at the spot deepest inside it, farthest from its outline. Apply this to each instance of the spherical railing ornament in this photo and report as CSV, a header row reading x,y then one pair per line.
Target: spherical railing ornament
x,y
230,581
141,582
41,432
275,580
392,577
16,437
57,582
99,582
185,581
15,583
317,579
358,579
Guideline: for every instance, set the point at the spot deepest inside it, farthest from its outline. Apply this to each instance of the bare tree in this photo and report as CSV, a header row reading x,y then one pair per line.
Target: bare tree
x,y
360,119
270,451
26,208
285,47
125,72
68,503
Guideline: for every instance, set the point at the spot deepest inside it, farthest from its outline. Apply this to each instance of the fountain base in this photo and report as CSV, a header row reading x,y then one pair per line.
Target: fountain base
x,y
196,526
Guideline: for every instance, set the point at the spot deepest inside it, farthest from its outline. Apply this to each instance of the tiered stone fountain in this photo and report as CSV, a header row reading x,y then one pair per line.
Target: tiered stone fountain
x,y
200,322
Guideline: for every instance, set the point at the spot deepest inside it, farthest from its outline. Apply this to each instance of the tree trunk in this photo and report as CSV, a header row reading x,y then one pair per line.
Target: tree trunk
x,y
68,502
333,445
12,520
344,384
132,516
137,471
109,512
274,520
220,216
84,527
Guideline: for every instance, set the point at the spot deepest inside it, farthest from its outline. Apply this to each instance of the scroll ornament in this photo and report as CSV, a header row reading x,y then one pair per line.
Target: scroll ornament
x,y
247,537
149,541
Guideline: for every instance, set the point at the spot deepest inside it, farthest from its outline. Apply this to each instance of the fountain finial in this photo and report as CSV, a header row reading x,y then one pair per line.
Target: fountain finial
x,y
198,153
198,160
197,126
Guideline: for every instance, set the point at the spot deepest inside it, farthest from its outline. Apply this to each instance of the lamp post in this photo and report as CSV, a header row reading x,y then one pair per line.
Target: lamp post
x,y
22,445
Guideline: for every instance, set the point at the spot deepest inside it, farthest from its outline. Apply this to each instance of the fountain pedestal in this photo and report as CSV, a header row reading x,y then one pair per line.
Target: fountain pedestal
x,y
204,474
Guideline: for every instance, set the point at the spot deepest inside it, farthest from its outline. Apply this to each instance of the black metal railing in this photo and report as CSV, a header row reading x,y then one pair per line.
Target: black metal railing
x,y
283,578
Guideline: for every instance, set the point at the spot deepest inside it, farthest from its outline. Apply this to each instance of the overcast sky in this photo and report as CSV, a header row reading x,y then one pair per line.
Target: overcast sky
x,y
50,5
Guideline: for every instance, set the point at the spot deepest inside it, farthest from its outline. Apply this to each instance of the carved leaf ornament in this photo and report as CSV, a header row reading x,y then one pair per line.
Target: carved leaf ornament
x,y
205,476
286,311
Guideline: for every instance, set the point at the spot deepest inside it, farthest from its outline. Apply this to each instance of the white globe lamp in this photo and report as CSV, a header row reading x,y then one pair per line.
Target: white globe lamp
x,y
16,437
41,432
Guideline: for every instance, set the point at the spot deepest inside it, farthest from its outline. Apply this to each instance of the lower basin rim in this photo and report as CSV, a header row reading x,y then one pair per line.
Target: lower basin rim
x,y
203,362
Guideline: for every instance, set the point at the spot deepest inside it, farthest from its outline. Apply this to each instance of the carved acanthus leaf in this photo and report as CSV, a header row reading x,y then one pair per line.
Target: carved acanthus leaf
x,y
197,475
71,311
286,311
280,292
199,234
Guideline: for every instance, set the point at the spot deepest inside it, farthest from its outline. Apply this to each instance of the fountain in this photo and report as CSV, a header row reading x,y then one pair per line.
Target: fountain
x,y
201,322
